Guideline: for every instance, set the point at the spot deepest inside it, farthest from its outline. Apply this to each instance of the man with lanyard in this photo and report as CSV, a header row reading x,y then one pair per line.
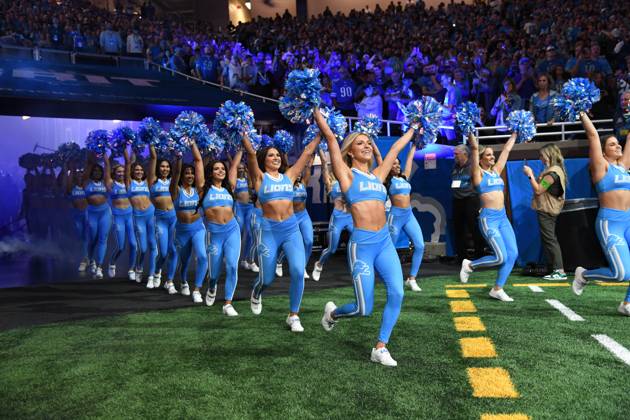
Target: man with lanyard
x,y
465,205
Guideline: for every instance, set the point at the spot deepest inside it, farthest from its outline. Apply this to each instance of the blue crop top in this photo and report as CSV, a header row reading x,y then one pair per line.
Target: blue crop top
x,y
161,188
365,187
77,193
490,181
217,197
335,191
616,178
399,186
118,191
95,188
241,186
137,189
275,189
299,193
185,201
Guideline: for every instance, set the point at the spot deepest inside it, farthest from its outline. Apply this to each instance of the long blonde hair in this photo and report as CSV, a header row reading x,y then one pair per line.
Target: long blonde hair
x,y
482,150
555,158
347,143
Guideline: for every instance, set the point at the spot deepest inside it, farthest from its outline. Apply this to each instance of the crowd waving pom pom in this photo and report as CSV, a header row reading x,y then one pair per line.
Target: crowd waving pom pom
x,y
97,141
370,125
302,95
232,120
577,95
467,116
425,113
523,124
283,140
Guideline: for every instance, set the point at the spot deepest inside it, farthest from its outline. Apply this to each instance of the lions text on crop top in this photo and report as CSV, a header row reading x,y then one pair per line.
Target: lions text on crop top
x,y
299,193
187,201
616,178
490,181
137,189
272,189
161,188
399,186
217,197
365,187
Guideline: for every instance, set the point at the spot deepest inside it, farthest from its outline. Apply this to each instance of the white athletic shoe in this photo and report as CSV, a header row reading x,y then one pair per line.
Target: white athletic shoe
x,y
211,295
294,323
579,282
93,267
138,276
245,265
171,288
196,297
279,270
131,275
327,320
156,281
150,282
185,289
254,267
624,309
465,271
229,310
306,276
255,304
500,295
413,285
99,273
383,357
111,271
317,271
83,266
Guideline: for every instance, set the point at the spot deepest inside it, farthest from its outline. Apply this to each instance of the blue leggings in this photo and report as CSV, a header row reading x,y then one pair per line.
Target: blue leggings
x,y
165,224
274,236
123,226
189,236
243,213
144,221
613,231
369,251
254,225
402,219
224,244
306,230
497,230
339,221
99,224
79,217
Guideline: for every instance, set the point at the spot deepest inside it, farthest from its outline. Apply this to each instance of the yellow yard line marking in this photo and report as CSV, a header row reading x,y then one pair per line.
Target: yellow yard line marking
x,y
611,284
491,383
515,416
468,323
467,286
541,284
477,347
457,294
462,306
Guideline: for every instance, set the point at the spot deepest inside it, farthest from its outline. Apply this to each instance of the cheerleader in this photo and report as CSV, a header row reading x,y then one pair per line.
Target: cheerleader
x,y
370,248
243,208
609,172
76,194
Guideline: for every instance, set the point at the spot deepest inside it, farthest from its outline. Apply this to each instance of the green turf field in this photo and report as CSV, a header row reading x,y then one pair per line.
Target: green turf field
x,y
194,362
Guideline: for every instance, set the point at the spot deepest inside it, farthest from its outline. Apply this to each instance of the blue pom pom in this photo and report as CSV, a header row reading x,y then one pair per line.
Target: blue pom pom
x,y
97,141
149,131
283,140
311,132
425,113
577,95
467,116
190,126
370,125
123,137
232,120
213,146
302,94
522,123
69,151
336,122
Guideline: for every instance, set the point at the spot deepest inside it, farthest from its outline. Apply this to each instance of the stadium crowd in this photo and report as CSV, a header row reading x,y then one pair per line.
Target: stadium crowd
x,y
504,56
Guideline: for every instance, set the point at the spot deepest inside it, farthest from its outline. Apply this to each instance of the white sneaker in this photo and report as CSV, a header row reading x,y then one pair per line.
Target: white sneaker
x,y
254,267
413,285
327,320
111,271
579,282
171,288
185,289
501,295
132,275
279,270
245,265
156,282
150,282
294,323
317,271
383,357
93,267
83,266
138,276
306,276
229,310
624,309
465,271
211,295
167,284
196,297
99,273
255,304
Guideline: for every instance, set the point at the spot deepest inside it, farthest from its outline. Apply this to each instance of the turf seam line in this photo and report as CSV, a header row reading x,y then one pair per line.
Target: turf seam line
x,y
564,310
513,416
619,351
536,289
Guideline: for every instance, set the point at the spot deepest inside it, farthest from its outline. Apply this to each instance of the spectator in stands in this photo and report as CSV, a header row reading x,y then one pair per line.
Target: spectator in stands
x,y
55,33
558,78
207,65
110,40
343,88
508,101
540,103
525,80
135,44
369,102
249,73
622,117
605,107
482,92
176,61
551,60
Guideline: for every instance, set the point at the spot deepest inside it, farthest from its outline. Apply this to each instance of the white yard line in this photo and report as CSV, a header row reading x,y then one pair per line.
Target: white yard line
x,y
536,289
564,310
619,351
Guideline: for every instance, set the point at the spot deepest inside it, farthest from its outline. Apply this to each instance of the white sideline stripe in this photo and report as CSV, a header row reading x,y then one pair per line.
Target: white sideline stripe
x,y
536,289
619,351
564,310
